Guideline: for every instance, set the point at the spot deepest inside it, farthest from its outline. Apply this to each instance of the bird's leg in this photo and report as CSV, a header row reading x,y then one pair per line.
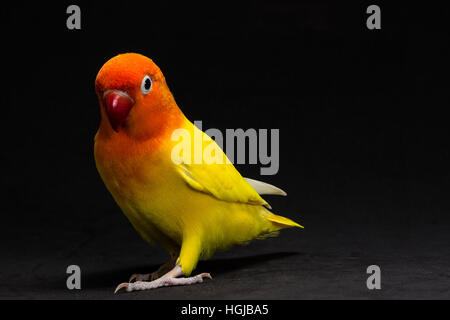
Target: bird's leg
x,y
171,278
162,270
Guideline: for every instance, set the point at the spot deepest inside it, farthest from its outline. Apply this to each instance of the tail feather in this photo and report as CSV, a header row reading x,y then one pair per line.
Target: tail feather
x,y
272,234
265,188
282,222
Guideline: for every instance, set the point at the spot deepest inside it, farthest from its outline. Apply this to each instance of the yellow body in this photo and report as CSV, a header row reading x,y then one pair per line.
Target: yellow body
x,y
191,210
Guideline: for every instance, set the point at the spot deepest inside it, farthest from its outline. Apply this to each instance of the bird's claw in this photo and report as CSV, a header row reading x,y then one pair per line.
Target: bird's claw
x,y
206,275
121,286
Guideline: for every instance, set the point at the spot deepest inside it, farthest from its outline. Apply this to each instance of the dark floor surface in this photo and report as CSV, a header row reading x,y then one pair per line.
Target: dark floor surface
x,y
297,265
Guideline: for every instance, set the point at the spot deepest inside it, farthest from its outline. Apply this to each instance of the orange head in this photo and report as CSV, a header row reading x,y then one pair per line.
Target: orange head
x,y
134,97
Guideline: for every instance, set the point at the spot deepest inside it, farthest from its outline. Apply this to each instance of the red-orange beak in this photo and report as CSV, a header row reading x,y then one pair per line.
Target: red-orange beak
x,y
118,105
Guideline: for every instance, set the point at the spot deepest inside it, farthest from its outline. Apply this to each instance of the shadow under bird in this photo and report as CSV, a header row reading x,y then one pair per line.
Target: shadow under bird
x,y
191,209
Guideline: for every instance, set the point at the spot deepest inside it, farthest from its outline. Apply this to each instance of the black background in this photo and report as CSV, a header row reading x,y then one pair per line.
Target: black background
x,y
364,148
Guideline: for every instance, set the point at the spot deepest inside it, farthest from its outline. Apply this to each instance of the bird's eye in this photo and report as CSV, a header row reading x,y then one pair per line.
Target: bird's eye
x,y
146,85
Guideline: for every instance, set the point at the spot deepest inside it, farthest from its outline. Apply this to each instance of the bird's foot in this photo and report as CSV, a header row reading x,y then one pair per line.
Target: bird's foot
x,y
169,279
165,268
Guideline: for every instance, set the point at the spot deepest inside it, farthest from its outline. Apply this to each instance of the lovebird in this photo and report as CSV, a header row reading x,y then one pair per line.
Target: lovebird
x,y
188,202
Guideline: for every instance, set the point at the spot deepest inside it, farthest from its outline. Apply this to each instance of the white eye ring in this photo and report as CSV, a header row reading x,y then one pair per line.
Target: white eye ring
x,y
146,84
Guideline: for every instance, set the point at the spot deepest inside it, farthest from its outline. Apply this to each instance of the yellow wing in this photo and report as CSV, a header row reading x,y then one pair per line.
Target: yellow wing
x,y
220,180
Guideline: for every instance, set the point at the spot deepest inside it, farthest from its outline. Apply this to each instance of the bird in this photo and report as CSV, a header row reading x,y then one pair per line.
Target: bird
x,y
190,208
